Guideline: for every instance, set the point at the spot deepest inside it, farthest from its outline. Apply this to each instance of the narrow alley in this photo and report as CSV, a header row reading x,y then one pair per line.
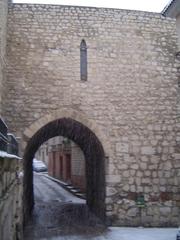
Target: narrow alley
x,y
58,212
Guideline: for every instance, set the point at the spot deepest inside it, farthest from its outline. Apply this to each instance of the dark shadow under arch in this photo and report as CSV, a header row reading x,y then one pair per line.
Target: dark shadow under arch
x,y
94,155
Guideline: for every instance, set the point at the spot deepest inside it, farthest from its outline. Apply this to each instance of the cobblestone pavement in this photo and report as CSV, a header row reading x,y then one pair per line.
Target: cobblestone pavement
x,y
59,213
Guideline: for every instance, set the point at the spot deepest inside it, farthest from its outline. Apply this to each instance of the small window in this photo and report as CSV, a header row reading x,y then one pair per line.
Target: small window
x,y
83,60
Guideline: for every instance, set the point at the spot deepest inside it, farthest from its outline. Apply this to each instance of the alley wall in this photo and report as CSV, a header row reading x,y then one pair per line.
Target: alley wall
x,y
3,35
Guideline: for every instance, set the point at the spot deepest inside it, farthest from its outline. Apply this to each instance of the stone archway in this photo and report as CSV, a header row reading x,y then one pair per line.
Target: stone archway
x,y
67,113
94,155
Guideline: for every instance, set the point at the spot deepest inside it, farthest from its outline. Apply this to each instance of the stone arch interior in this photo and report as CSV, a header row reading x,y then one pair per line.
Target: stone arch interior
x,y
94,155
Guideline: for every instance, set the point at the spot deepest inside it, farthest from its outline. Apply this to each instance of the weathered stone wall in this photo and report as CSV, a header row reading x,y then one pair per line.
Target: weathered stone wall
x,y
78,171
3,25
78,161
10,199
130,95
178,29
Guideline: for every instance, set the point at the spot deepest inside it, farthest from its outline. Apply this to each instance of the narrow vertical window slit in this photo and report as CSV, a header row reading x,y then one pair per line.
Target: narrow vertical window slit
x,y
83,60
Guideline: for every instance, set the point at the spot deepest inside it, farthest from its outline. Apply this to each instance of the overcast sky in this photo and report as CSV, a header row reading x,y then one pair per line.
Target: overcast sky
x,y
144,5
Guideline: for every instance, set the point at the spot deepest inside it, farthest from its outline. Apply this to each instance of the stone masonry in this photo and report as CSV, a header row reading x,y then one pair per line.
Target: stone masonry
x,y
3,25
10,198
78,167
130,97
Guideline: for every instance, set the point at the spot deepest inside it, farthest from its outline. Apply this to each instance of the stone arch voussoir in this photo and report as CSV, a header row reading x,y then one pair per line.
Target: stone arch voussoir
x,y
68,113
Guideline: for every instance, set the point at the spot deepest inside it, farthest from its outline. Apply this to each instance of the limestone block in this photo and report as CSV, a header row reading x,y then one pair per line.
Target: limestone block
x,y
126,187
110,191
132,172
176,156
109,208
138,181
147,150
147,173
132,188
168,165
126,173
123,166
132,212
169,203
135,149
143,166
165,211
134,166
155,188
139,174
122,147
113,178
144,159
162,181
111,168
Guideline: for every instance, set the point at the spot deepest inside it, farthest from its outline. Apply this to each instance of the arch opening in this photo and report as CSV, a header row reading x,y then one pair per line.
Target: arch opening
x,y
94,156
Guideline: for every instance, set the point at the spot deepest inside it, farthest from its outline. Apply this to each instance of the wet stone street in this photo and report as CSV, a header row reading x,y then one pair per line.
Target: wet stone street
x,y
59,213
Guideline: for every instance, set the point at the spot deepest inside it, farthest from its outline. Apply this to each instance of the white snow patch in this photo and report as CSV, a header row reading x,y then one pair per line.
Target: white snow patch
x,y
117,233
7,155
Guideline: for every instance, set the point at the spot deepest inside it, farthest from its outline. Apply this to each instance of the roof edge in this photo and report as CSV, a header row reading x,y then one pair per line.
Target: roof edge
x,y
167,7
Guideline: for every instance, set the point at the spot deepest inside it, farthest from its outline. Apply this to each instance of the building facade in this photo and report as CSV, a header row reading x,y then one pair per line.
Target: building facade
x,y
3,31
42,153
65,161
126,95
173,10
